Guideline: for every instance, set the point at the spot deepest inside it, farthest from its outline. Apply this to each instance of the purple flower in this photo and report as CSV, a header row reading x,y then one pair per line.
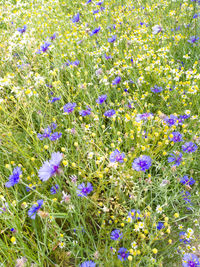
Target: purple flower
x,y
156,89
76,62
122,254
76,18
193,39
160,225
95,31
117,80
69,107
175,158
142,163
115,234
190,260
14,177
34,209
187,181
107,57
84,190
189,147
195,16
22,30
181,118
117,156
85,112
186,196
96,11
47,132
112,39
53,37
101,99
88,264
44,48
172,120
177,137
54,99
156,29
54,189
143,117
109,113
182,236
55,136
51,167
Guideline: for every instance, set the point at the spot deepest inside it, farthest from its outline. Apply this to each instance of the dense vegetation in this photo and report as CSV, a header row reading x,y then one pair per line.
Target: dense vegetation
x,y
99,133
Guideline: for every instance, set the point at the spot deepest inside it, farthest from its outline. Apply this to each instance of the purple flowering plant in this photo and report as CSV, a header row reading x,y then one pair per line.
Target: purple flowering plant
x,y
51,167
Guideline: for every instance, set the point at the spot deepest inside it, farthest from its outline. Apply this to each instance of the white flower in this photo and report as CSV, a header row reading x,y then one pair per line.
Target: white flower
x,y
159,209
156,29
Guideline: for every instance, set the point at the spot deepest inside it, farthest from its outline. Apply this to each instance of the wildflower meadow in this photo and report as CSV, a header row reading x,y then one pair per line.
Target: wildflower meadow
x,y
99,133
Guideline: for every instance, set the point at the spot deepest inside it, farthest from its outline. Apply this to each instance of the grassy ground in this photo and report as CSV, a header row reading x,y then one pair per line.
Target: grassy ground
x,y
58,58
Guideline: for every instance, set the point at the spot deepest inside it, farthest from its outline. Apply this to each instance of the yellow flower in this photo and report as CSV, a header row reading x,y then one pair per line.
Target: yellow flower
x,y
13,240
155,251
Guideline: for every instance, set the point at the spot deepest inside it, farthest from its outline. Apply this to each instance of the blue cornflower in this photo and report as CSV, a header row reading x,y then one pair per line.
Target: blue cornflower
x,y
47,132
76,62
160,225
14,177
181,118
51,167
107,57
117,80
175,158
156,89
189,147
195,16
109,113
182,238
54,189
30,187
143,117
85,112
122,254
112,39
142,163
96,11
44,48
54,99
69,107
53,125
190,260
88,264
177,137
34,209
116,234
84,190
172,120
117,156
95,31
53,37
55,136
22,30
187,181
186,196
76,18
89,1
101,99
193,39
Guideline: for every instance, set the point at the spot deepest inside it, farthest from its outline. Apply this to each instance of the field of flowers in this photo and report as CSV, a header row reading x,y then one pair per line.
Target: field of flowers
x,y
99,133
